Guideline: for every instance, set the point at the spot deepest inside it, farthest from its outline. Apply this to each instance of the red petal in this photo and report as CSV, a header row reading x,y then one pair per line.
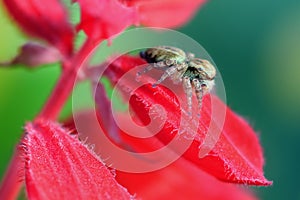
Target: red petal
x,y
47,20
101,19
237,156
180,180
165,13
58,166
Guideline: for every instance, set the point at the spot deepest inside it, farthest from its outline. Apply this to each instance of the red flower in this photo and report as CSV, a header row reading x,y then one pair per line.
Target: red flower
x,y
237,155
103,19
47,20
59,166
165,13
100,19
180,180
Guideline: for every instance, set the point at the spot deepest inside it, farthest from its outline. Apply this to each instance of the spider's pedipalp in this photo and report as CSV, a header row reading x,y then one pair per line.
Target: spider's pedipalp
x,y
199,92
187,86
181,67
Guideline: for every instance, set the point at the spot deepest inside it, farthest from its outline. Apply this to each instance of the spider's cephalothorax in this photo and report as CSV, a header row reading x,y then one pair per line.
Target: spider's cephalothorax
x,y
194,73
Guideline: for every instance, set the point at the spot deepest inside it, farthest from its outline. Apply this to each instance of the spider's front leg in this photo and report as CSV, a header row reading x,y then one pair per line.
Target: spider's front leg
x,y
169,72
187,86
199,92
145,70
150,66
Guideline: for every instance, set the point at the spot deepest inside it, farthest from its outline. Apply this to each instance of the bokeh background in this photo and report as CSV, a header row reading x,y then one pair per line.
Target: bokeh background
x,y
256,46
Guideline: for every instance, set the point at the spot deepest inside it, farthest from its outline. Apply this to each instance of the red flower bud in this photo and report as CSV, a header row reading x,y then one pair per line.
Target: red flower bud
x,y
101,19
44,19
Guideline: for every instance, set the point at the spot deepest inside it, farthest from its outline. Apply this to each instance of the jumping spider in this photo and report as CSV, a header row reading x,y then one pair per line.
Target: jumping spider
x,y
194,73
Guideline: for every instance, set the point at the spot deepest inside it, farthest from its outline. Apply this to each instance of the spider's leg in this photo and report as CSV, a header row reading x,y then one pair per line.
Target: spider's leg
x,y
169,71
187,86
145,70
206,86
178,76
181,67
199,92
160,65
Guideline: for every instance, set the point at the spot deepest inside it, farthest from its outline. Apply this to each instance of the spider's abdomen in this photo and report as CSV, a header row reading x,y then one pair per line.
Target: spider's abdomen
x,y
163,53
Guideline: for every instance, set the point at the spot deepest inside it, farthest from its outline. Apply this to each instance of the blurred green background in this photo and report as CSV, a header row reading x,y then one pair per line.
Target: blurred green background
x,y
256,46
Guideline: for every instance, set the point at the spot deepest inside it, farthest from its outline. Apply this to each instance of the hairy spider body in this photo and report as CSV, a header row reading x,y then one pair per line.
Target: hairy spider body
x,y
163,54
195,73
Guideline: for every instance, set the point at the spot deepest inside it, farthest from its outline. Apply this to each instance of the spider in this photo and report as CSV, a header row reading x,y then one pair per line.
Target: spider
x,y
194,73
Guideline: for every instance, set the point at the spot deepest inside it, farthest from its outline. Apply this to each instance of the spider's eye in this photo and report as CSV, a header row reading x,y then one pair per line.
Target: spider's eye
x,y
170,62
142,54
